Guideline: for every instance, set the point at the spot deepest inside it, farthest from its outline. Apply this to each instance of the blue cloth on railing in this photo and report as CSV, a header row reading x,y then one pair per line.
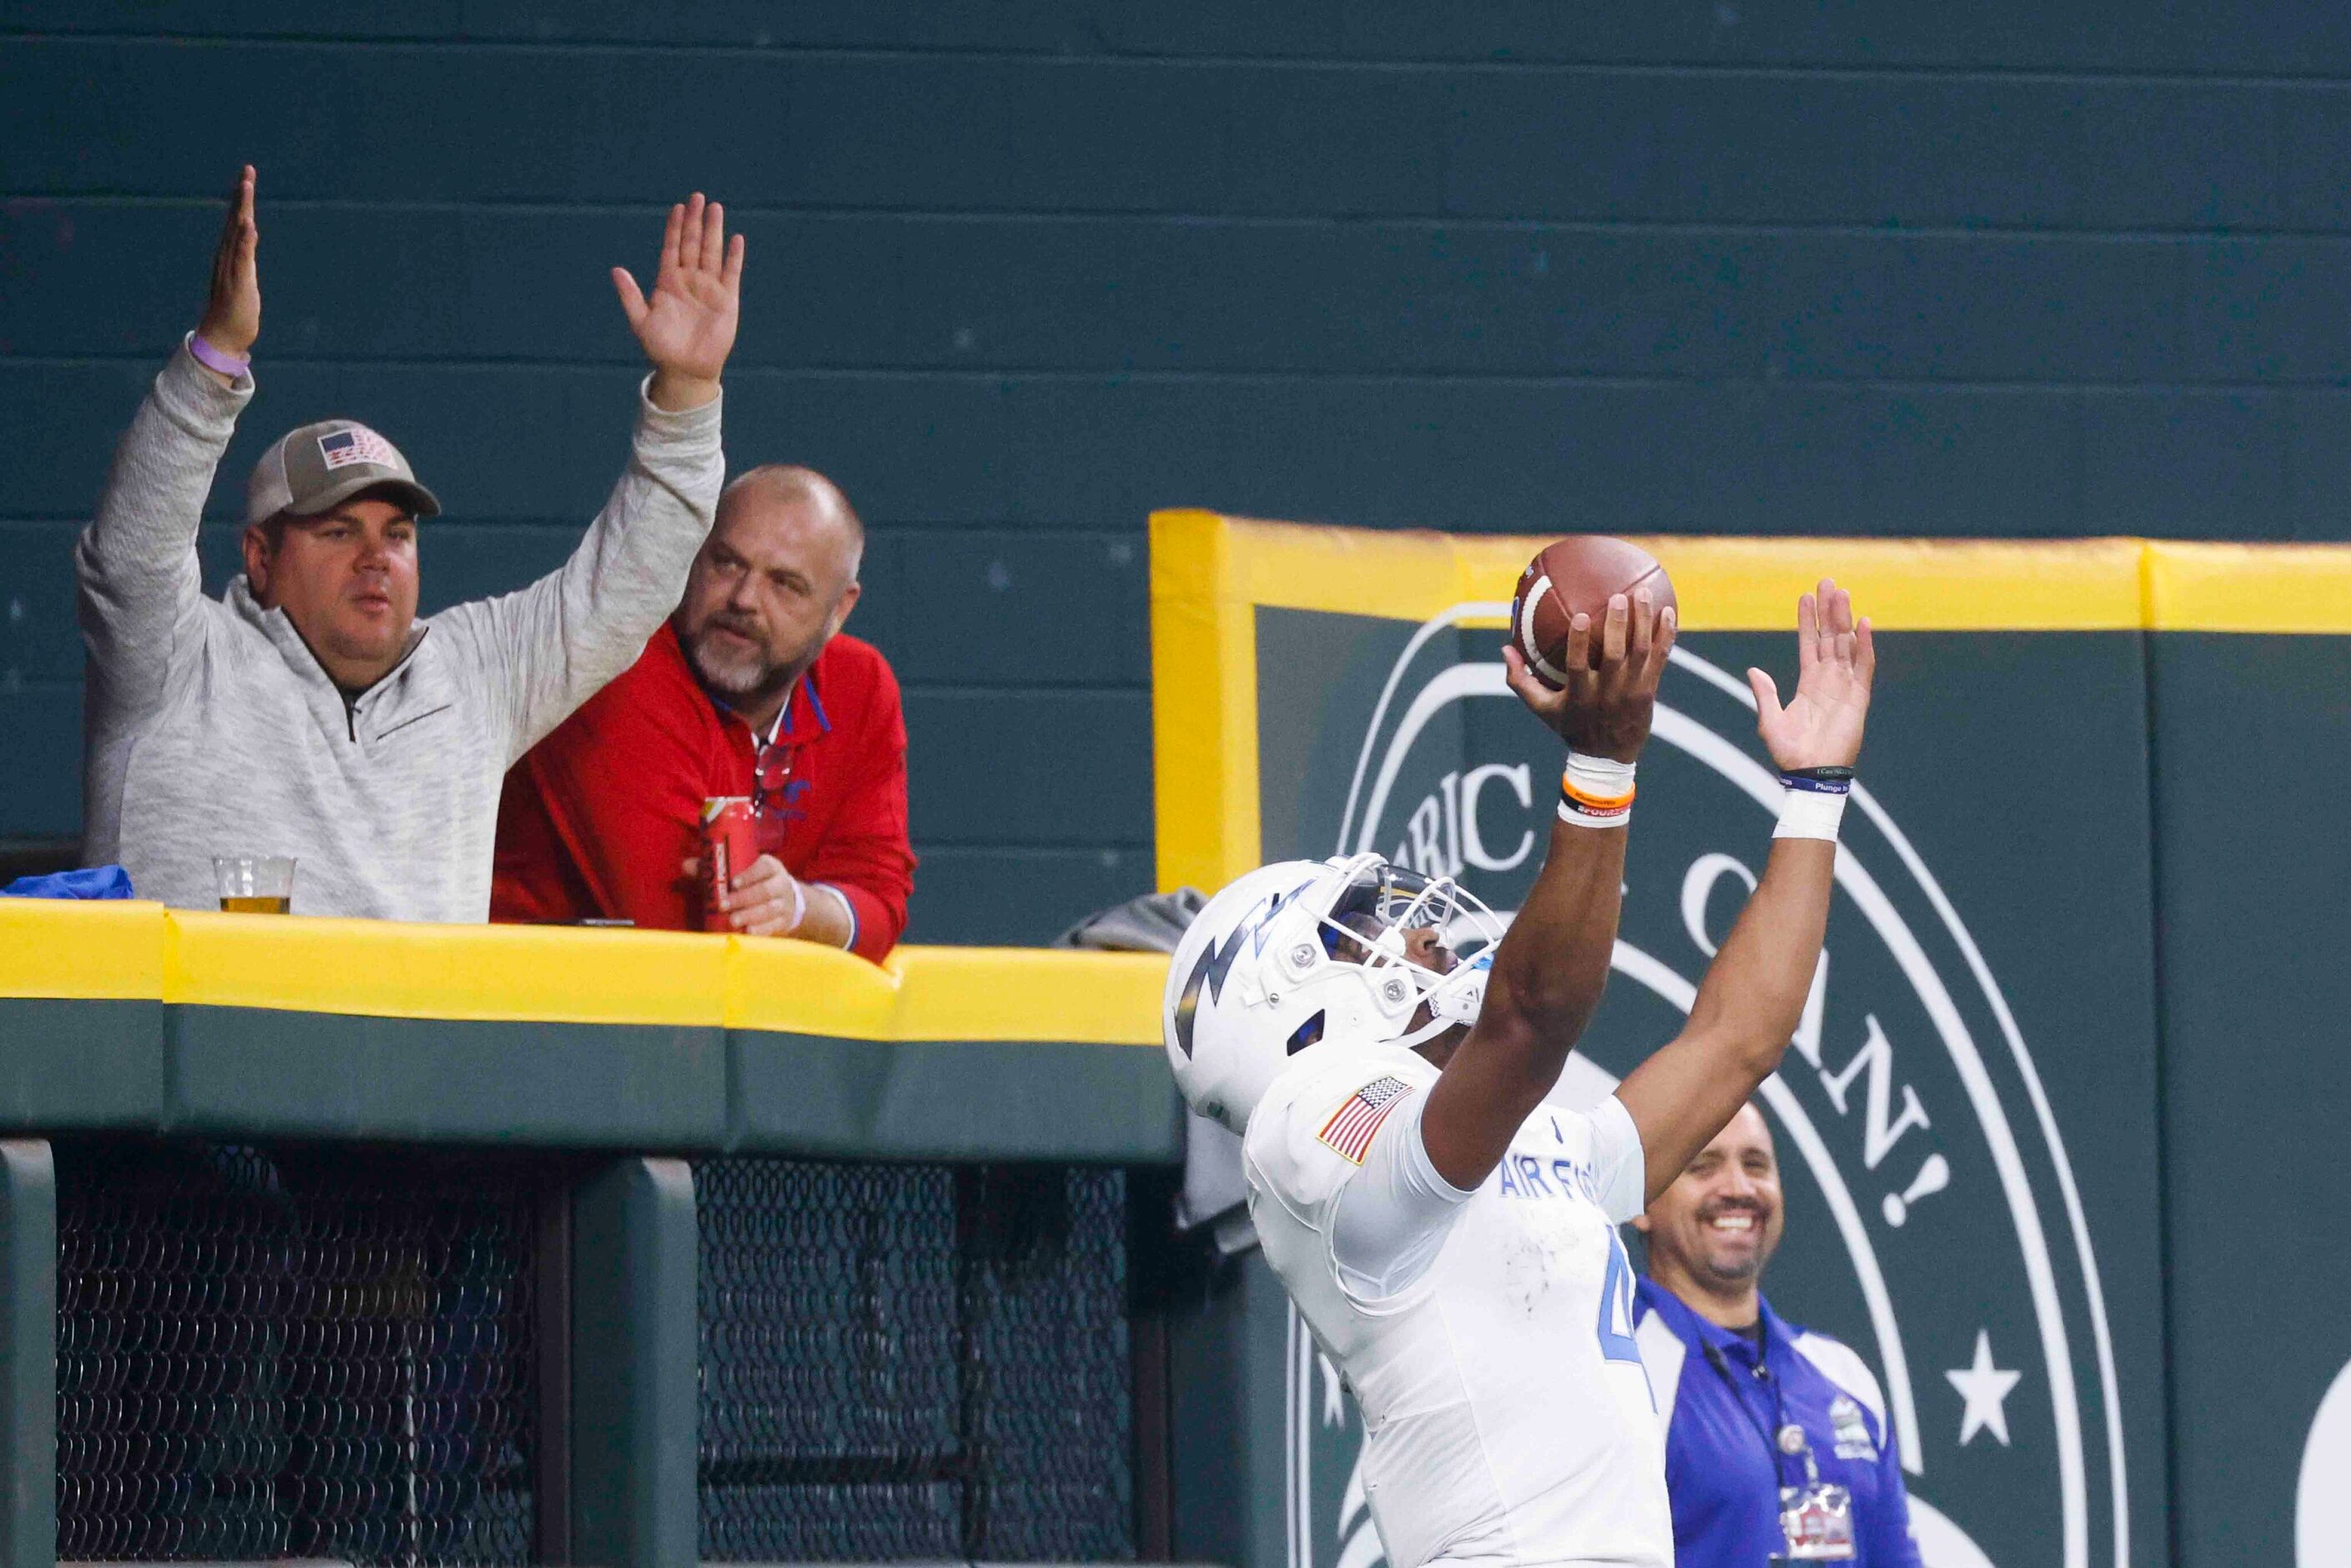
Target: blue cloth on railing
x,y
99,881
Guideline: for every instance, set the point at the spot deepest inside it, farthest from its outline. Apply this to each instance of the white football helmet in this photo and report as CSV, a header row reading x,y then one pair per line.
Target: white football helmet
x,y
1302,952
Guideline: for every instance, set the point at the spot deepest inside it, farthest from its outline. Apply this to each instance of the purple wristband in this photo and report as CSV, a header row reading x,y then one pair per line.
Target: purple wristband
x,y
233,366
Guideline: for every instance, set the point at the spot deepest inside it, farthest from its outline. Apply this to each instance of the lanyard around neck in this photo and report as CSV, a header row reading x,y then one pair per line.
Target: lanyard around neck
x,y
1778,1407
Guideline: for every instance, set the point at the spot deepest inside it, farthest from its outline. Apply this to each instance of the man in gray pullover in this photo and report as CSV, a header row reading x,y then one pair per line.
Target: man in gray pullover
x,y
308,711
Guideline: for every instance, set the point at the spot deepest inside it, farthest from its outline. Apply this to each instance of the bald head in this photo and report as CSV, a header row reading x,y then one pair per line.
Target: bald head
x,y
789,487
774,582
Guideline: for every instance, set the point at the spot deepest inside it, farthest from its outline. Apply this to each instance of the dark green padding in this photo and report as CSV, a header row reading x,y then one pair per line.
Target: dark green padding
x,y
86,1065
1227,1382
253,1072
76,1066
633,1387
28,1362
951,1100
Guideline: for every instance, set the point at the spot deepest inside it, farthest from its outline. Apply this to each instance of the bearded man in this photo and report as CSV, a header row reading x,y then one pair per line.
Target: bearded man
x,y
750,690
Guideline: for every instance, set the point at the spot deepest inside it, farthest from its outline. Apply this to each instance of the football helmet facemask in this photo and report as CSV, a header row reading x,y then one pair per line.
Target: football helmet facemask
x,y
1303,952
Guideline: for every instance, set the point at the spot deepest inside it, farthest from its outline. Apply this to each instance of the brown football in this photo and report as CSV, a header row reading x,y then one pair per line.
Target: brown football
x,y
1574,575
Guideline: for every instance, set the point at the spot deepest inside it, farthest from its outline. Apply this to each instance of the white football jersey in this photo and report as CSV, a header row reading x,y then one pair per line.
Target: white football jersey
x,y
1486,1336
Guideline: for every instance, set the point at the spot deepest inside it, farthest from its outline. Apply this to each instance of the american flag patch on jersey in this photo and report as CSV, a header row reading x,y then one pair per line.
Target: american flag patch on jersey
x,y
358,444
1351,1127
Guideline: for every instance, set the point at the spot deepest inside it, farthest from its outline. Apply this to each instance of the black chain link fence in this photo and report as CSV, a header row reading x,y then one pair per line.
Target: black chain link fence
x,y
286,1353
329,1352
904,1362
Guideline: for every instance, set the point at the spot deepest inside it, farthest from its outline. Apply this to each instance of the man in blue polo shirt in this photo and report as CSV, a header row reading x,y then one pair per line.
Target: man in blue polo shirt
x,y
1776,1443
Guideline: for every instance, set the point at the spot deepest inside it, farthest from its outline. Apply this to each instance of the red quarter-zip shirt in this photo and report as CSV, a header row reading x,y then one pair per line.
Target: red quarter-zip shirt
x,y
596,817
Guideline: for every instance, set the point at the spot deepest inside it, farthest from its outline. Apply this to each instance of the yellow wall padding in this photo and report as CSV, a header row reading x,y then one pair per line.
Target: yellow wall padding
x,y
2278,589
69,947
1723,585
394,970
1203,700
385,969
1028,993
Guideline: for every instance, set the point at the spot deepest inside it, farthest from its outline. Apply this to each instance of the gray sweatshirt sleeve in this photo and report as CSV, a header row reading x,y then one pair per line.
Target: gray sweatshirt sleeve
x,y
551,646
141,589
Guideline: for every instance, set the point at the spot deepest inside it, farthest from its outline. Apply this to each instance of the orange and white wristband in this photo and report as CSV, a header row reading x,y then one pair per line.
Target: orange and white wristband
x,y
1596,791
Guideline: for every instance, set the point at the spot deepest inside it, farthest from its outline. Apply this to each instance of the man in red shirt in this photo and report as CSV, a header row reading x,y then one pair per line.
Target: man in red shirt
x,y
748,691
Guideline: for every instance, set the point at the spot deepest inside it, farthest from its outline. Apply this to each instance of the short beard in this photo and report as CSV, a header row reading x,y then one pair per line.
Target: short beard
x,y
747,676
1738,1274
1734,1275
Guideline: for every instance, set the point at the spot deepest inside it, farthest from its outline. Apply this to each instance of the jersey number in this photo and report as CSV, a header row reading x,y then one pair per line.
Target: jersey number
x,y
1616,1305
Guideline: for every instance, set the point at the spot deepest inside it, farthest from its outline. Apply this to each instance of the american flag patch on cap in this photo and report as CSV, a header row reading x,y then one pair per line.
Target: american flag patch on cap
x,y
1351,1127
358,444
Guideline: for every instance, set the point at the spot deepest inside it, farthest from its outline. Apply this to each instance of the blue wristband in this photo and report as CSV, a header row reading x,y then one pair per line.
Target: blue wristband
x,y
1819,780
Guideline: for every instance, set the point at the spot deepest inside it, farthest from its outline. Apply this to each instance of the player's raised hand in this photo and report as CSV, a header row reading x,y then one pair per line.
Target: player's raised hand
x,y
1613,671
231,318
688,327
1835,661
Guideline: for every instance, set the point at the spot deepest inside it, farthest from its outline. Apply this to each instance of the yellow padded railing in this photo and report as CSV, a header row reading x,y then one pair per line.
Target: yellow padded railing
x,y
139,951
1725,584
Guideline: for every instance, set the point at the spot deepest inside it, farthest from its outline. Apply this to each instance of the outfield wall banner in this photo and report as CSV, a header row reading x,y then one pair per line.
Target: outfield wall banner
x,y
1969,1119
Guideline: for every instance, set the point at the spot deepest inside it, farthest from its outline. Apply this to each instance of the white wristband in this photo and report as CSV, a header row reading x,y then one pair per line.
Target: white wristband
x,y
1596,791
1601,776
1808,814
799,906
848,914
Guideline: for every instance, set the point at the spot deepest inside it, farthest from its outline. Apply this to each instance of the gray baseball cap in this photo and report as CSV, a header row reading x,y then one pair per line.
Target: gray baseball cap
x,y
313,468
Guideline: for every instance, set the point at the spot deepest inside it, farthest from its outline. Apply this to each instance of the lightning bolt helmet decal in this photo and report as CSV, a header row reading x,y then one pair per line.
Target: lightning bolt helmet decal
x,y
1216,960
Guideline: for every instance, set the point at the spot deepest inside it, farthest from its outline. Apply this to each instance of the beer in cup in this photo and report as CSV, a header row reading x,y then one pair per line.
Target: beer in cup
x,y
254,884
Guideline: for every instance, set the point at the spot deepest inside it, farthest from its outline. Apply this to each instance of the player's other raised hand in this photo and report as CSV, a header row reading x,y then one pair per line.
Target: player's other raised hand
x,y
1835,661
1612,670
231,318
688,327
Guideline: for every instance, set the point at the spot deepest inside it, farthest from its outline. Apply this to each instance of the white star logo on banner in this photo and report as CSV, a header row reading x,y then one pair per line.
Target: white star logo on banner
x,y
1984,1387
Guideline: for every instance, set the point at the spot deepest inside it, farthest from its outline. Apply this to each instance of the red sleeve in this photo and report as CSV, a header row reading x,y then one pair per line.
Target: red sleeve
x,y
864,851
620,784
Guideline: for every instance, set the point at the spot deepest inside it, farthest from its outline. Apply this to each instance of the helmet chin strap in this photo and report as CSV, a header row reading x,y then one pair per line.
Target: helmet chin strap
x,y
1435,1026
1457,998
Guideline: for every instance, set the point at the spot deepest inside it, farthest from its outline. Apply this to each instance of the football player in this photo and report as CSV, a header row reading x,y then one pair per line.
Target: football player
x,y
1449,1239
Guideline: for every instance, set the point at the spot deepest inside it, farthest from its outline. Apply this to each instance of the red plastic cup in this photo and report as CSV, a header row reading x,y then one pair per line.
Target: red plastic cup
x,y
729,845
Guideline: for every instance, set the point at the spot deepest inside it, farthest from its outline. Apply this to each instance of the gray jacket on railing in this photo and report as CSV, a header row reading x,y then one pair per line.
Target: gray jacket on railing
x,y
209,728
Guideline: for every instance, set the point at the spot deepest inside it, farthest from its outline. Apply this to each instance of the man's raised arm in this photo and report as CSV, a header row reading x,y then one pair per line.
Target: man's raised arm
x,y
557,641
1553,964
136,562
1753,994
